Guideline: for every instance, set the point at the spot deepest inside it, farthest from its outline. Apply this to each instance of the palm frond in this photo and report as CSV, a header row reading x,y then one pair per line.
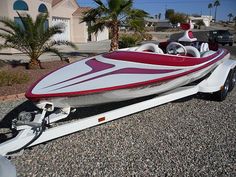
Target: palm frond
x,y
40,22
61,42
14,46
27,22
33,38
125,7
7,22
93,14
89,16
114,5
95,28
99,2
47,46
7,31
5,36
2,46
5,46
53,50
49,33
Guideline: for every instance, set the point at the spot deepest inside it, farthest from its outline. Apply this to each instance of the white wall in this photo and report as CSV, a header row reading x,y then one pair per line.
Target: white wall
x,y
101,35
206,19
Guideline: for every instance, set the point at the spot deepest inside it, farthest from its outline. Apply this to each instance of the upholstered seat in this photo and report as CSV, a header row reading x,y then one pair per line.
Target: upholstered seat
x,y
204,47
207,53
150,47
193,51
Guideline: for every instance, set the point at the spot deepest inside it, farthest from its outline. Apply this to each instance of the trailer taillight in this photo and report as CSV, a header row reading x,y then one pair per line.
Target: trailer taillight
x,y
101,119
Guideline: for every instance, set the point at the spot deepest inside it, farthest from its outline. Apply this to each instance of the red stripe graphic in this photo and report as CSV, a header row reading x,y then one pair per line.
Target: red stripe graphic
x,y
96,67
124,71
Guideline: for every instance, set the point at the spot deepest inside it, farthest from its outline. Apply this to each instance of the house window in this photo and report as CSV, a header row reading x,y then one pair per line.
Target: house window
x,y
43,8
20,5
19,22
46,25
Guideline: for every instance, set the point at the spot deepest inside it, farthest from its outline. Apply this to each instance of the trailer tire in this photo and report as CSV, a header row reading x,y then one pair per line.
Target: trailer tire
x,y
223,92
232,79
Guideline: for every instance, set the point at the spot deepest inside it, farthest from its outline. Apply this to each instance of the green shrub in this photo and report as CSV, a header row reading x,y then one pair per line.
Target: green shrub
x,y
178,18
8,78
2,63
128,41
200,23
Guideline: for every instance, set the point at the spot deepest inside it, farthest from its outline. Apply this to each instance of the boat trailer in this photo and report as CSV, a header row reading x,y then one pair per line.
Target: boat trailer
x,y
35,128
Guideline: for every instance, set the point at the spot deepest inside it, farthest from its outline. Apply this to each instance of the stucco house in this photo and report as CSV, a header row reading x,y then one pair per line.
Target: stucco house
x,y
205,18
67,12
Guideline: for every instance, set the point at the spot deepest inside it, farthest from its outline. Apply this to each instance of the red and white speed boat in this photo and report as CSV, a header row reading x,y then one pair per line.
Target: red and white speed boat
x,y
128,73
121,75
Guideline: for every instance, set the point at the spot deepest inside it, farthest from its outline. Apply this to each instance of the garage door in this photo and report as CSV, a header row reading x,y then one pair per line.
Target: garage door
x,y
66,23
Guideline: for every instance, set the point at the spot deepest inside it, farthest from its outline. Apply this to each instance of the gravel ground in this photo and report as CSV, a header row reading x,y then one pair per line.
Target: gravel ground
x,y
190,137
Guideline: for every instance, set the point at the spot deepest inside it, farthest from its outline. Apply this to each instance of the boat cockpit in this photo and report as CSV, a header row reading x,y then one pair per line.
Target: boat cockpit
x,y
187,45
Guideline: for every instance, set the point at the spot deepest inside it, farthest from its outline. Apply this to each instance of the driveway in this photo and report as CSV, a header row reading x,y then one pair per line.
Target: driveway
x,y
84,49
232,50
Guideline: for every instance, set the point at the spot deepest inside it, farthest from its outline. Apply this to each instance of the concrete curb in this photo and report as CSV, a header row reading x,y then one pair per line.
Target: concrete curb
x,y
12,97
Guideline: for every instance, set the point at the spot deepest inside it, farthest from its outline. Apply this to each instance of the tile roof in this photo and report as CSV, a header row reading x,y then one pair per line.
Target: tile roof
x,y
81,10
55,2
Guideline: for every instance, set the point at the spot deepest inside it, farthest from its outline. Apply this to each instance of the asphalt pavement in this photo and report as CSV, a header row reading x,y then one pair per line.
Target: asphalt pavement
x,y
232,50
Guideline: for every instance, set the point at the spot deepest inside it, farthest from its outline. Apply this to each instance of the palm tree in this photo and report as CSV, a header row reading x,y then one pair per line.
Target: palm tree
x,y
135,20
200,23
234,19
216,4
210,7
230,15
31,37
110,15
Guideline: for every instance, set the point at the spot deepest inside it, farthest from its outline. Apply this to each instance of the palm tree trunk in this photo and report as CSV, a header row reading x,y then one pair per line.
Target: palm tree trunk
x,y
35,64
115,36
215,13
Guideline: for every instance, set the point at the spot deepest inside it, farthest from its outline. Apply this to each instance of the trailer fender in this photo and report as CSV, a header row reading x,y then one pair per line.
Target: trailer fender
x,y
217,78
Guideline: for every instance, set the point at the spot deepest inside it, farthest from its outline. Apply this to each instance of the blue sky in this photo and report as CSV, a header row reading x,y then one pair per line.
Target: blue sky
x,y
187,6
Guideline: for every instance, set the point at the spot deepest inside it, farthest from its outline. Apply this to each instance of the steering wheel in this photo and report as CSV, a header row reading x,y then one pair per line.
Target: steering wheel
x,y
176,48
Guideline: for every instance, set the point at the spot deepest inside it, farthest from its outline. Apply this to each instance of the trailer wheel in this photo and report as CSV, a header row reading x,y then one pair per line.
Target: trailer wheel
x,y
232,79
223,92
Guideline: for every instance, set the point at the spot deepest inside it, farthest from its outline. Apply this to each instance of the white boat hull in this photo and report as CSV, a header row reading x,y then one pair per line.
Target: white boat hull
x,y
183,76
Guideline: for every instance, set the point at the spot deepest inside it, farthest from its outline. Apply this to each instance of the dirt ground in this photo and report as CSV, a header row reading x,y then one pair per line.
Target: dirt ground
x,y
34,75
